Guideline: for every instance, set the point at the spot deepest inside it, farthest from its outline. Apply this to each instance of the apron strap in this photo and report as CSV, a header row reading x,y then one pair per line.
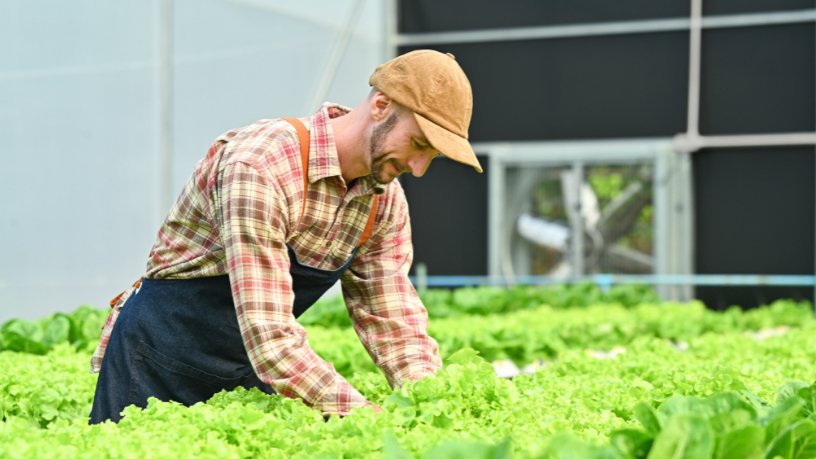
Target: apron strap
x,y
118,297
303,138
369,228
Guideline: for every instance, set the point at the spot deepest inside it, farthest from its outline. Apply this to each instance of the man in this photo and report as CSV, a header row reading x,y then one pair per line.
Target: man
x,y
274,215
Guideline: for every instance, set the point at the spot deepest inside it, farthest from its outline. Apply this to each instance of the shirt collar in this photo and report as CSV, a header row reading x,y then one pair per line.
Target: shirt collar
x,y
323,159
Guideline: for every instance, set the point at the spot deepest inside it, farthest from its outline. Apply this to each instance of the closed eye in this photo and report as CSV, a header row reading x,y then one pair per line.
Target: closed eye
x,y
420,145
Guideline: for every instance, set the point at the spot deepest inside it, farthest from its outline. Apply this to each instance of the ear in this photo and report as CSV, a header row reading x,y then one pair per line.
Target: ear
x,y
381,105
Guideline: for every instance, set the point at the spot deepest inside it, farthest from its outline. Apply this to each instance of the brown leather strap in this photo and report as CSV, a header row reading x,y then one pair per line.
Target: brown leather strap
x,y
369,228
116,299
303,138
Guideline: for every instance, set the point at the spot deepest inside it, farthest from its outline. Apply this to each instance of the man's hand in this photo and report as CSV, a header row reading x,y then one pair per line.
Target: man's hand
x,y
376,408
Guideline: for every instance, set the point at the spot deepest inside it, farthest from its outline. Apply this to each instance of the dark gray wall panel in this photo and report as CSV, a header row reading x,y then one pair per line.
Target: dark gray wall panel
x,y
577,88
416,16
754,214
712,7
448,208
721,298
758,79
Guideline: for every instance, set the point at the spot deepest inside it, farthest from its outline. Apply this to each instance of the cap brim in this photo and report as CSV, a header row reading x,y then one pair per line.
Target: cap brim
x,y
449,144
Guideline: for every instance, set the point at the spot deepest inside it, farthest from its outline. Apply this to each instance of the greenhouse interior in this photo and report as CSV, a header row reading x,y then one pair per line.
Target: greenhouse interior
x,y
432,229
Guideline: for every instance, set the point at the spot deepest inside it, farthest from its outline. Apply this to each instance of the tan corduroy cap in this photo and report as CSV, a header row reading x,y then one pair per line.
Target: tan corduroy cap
x,y
433,86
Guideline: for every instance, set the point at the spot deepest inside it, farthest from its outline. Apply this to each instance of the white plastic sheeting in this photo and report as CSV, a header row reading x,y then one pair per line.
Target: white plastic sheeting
x,y
80,121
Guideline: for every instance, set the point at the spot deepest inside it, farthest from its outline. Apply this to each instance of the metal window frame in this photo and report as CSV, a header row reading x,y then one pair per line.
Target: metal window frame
x,y
672,192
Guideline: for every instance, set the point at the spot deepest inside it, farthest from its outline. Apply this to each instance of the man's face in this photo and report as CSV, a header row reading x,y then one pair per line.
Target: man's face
x,y
398,146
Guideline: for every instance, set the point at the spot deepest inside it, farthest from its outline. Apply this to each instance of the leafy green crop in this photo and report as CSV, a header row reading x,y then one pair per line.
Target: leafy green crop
x,y
733,425
687,382
331,312
80,328
44,388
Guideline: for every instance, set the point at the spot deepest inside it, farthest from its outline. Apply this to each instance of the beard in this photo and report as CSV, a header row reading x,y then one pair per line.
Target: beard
x,y
379,158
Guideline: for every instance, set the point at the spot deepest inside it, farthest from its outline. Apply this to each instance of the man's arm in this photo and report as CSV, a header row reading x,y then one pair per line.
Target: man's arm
x,y
253,221
386,311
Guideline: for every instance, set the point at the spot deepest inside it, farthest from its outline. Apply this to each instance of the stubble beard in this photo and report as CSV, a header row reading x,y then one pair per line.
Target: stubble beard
x,y
378,156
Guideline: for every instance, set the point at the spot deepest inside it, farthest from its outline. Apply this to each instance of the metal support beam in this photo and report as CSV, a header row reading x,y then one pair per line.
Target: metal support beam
x,y
336,56
685,143
165,96
661,203
695,46
577,219
390,30
604,28
547,153
495,212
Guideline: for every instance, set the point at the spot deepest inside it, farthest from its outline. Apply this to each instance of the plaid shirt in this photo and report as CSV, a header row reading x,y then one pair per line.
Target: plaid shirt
x,y
236,216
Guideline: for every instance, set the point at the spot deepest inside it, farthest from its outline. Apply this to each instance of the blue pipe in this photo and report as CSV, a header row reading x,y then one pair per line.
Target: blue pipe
x,y
607,280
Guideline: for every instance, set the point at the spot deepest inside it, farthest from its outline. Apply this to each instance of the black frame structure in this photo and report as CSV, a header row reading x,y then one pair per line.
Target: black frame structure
x,y
729,85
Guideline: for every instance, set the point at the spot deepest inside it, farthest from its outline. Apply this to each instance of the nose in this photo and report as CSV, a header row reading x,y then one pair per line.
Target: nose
x,y
420,163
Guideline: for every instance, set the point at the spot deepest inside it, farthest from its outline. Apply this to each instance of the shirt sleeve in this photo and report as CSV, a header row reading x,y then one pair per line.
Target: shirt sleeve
x,y
253,221
386,311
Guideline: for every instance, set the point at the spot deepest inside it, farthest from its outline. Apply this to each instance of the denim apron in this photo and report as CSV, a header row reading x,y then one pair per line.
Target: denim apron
x,y
178,339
